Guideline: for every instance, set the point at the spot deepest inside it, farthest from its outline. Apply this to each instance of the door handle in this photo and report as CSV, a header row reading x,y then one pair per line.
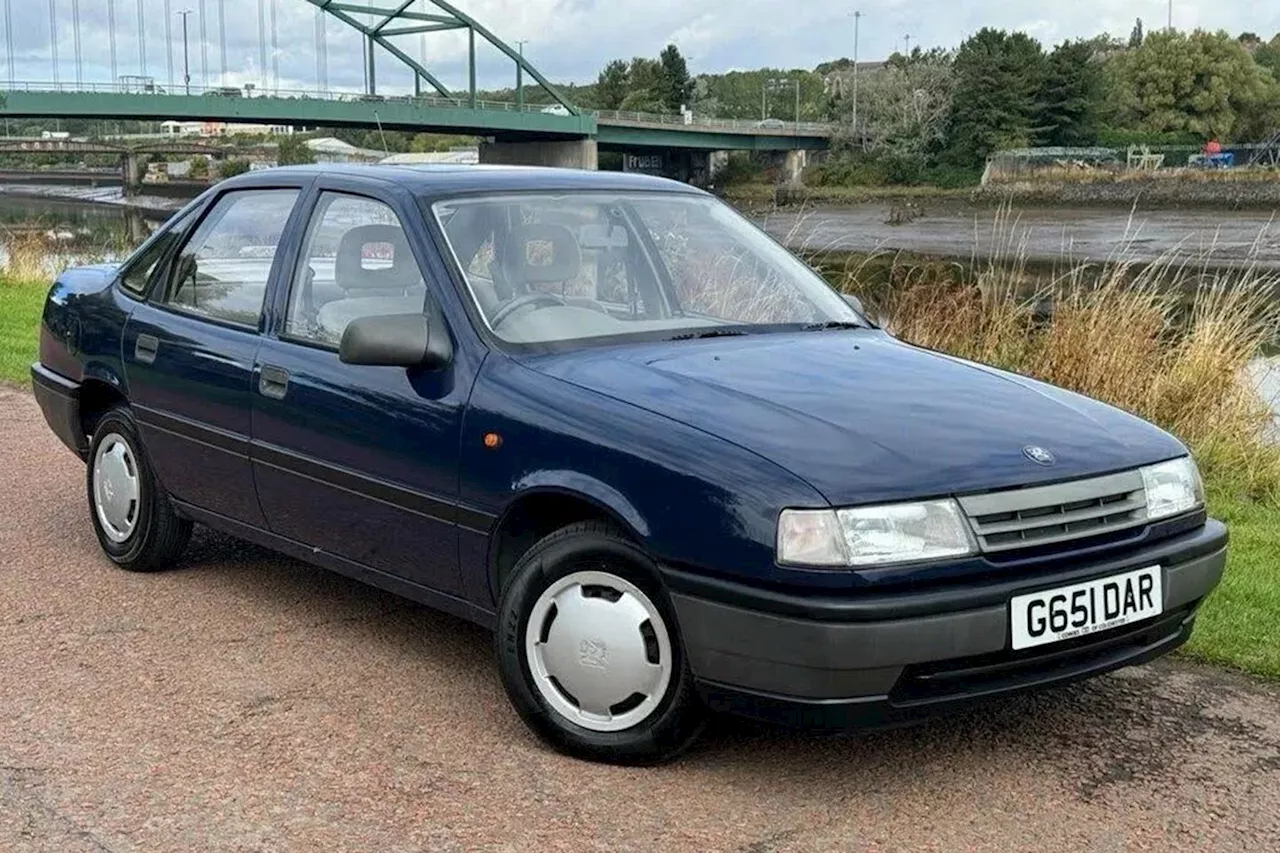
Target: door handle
x,y
145,349
273,382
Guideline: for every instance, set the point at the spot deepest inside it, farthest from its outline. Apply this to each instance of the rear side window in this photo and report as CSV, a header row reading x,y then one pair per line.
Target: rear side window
x,y
223,269
142,267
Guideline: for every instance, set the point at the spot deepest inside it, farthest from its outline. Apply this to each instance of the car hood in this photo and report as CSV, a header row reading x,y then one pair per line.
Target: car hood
x,y
863,417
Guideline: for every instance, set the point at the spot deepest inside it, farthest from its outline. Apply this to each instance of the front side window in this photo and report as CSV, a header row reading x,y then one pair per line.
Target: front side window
x,y
546,268
222,271
355,262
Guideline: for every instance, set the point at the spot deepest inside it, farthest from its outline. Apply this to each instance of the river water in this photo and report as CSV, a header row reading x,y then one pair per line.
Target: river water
x,y
98,231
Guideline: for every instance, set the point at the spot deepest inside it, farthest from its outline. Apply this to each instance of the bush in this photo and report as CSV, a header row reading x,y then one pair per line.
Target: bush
x,y
858,171
233,166
199,168
740,169
294,151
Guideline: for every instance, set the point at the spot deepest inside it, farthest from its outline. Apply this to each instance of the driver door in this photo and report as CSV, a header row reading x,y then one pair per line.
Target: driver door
x,y
356,461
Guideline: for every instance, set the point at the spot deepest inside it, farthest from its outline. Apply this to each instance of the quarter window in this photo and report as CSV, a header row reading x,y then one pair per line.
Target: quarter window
x,y
138,272
356,262
222,271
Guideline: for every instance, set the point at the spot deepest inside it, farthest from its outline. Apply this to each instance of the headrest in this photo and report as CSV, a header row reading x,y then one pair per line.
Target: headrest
x,y
541,254
375,257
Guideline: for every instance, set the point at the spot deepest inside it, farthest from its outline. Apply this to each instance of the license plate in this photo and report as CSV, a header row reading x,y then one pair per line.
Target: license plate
x,y
1053,615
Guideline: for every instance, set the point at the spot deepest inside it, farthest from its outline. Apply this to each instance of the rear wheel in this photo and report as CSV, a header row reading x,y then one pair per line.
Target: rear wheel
x,y
136,524
589,653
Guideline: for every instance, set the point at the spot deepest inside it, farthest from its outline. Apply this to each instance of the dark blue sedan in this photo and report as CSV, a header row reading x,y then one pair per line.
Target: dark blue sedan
x,y
608,417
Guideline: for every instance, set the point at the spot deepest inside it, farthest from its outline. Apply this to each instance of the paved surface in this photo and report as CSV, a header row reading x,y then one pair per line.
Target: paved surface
x,y
248,703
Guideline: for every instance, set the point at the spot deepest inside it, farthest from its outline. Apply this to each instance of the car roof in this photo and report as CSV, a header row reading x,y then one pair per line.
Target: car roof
x,y
444,179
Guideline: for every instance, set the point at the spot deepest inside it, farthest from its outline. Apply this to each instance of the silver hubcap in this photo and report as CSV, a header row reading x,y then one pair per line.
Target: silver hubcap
x,y
115,487
599,651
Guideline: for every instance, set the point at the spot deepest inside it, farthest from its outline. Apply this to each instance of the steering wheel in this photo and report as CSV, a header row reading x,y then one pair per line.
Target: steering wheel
x,y
521,301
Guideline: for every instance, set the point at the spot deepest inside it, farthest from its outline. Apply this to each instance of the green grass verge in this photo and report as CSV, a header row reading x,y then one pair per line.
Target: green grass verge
x,y
1239,625
21,303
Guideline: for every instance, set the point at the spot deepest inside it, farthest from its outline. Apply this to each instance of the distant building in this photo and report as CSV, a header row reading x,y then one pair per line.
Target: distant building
x,y
333,150
222,128
463,156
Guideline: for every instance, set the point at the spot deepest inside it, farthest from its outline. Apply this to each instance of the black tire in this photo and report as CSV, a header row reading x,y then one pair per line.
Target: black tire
x,y
672,725
158,535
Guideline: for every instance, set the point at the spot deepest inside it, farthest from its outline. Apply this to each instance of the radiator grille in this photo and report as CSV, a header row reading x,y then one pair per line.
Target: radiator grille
x,y
1047,515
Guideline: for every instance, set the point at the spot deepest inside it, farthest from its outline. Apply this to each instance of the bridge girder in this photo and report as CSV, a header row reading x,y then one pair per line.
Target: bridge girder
x,y
398,20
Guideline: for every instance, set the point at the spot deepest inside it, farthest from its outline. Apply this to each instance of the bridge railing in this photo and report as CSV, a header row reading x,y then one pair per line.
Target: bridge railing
x,y
767,126
771,127
233,93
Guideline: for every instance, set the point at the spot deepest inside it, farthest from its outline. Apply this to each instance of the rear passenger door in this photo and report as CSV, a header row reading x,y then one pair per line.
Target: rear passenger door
x,y
189,351
357,461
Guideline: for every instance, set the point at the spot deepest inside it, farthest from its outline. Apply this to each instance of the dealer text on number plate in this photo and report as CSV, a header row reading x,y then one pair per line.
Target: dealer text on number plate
x,y
1052,615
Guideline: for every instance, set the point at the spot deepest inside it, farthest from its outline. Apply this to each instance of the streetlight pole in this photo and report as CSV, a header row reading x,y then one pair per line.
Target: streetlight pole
x,y
1170,15
186,57
907,41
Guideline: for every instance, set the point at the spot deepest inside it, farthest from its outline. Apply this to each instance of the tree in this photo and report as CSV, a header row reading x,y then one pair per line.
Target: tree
x,y
1135,37
1268,56
999,76
903,108
1071,98
294,151
676,85
612,86
1202,83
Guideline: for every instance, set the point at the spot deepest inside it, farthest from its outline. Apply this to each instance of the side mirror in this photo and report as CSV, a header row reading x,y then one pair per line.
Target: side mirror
x,y
855,303
396,340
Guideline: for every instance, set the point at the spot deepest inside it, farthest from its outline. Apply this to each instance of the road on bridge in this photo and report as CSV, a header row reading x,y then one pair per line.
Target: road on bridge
x,y
248,703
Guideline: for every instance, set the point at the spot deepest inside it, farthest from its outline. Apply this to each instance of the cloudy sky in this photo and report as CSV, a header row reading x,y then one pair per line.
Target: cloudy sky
x,y
566,39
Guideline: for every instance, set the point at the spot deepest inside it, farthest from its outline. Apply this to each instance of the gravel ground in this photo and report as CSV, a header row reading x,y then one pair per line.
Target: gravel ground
x,y
246,702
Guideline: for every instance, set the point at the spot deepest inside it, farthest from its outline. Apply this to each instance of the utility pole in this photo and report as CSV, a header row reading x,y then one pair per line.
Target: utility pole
x,y
53,38
797,105
857,17
186,57
907,41
1170,15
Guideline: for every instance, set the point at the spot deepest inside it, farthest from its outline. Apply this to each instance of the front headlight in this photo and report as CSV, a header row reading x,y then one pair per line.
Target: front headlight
x,y
873,535
1172,488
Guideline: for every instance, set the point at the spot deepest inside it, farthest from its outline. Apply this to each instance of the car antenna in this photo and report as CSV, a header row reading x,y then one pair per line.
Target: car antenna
x,y
385,150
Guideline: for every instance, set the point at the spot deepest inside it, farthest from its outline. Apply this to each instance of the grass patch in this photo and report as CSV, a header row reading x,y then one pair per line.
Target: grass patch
x,y
21,304
1239,625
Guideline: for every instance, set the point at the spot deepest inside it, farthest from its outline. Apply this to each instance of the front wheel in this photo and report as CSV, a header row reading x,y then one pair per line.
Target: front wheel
x,y
136,524
589,653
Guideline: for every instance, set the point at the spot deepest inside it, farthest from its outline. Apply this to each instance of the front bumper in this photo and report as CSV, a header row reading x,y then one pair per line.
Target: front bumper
x,y
59,400
894,657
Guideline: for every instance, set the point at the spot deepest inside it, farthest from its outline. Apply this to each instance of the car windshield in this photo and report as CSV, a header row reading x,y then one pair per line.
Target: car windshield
x,y
547,268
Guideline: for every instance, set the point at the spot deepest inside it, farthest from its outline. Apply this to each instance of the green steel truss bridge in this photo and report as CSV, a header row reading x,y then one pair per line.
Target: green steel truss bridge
x,y
432,106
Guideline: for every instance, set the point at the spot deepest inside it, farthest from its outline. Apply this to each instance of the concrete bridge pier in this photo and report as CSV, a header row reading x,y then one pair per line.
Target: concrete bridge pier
x,y
793,165
565,154
131,170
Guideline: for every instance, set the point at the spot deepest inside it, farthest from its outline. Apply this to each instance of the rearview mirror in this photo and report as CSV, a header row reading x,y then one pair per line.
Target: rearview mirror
x,y
396,340
854,302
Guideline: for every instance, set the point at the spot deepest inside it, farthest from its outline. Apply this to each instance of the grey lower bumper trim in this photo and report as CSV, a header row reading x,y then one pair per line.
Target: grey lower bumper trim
x,y
810,659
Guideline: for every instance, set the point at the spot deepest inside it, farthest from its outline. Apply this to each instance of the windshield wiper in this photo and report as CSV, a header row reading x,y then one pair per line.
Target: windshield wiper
x,y
707,333
832,324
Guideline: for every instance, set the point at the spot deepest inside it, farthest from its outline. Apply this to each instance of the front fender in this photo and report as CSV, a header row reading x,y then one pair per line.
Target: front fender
x,y
691,499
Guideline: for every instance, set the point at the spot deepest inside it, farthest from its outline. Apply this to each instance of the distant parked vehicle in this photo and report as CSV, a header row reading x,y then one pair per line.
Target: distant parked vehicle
x,y
772,124
608,417
557,110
